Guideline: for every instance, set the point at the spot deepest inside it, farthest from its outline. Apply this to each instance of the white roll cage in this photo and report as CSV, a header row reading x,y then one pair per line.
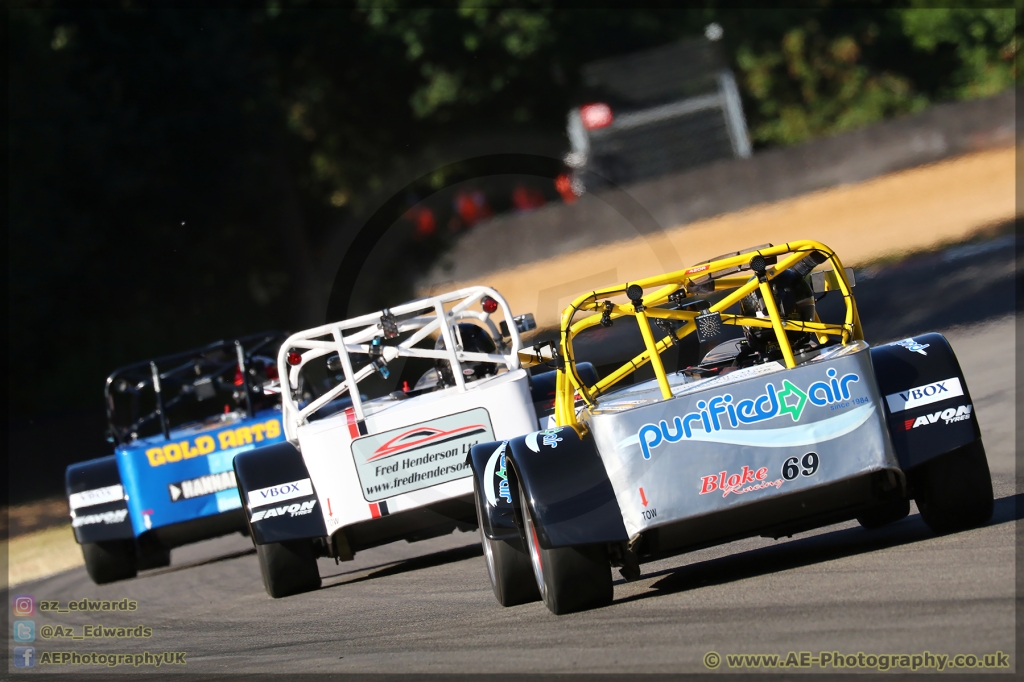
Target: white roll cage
x,y
428,316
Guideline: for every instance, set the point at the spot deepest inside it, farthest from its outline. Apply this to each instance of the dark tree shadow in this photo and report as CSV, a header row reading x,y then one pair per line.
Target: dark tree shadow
x,y
806,552
193,564
448,556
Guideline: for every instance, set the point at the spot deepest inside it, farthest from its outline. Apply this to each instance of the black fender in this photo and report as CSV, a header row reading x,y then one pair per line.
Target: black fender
x,y
927,405
277,494
542,384
109,520
571,499
491,472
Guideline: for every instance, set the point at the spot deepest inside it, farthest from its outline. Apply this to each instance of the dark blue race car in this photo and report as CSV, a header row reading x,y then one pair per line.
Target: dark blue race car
x,y
177,423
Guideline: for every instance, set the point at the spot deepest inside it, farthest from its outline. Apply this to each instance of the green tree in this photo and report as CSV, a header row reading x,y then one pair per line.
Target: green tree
x,y
181,174
986,42
824,71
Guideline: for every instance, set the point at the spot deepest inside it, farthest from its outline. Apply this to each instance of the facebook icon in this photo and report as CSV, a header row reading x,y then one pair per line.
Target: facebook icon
x,y
24,656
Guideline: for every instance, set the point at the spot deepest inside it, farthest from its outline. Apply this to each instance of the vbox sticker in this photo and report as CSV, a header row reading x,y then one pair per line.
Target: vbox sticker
x,y
924,395
88,498
280,493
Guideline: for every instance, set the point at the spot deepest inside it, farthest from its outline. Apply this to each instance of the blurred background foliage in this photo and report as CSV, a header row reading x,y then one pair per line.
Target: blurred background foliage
x,y
179,174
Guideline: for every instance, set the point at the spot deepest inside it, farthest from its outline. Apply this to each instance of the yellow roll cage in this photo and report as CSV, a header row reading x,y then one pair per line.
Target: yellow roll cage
x,y
723,270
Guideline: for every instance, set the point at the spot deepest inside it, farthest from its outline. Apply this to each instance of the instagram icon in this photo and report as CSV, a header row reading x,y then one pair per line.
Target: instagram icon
x,y
24,605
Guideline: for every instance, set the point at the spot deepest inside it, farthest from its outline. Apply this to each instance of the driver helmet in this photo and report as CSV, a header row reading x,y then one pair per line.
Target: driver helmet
x,y
795,300
471,339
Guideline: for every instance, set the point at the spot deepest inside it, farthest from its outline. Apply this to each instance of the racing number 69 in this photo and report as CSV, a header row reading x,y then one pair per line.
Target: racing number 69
x,y
806,465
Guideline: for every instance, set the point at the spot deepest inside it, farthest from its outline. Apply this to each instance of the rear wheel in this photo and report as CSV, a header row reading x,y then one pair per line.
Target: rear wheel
x,y
508,566
151,554
154,557
884,514
288,567
569,578
954,491
110,561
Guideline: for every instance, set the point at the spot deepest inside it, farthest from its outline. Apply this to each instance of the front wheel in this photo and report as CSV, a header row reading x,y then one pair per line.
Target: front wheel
x,y
288,567
954,491
569,578
508,565
110,561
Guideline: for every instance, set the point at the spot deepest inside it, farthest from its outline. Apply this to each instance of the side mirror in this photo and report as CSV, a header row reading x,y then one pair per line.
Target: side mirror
x,y
334,363
524,323
826,280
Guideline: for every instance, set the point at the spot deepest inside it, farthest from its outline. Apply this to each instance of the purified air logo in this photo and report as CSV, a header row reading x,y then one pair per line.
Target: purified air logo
x,y
912,345
720,411
496,484
551,439
503,490
548,437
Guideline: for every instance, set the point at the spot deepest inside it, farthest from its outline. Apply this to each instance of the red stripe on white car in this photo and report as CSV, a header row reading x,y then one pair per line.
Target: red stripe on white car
x,y
353,428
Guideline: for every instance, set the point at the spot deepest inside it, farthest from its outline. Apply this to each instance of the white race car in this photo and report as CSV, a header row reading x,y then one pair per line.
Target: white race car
x,y
358,472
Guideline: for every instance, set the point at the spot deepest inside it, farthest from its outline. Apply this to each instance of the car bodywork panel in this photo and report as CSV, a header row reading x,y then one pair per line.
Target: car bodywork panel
x,y
190,476
96,497
280,502
356,473
927,404
727,440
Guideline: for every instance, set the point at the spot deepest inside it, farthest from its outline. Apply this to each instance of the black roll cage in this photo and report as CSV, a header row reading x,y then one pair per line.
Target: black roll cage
x,y
148,374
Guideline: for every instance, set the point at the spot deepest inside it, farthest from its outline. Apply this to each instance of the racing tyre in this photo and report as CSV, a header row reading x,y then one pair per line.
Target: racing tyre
x,y
288,567
110,561
508,566
954,491
569,578
884,514
155,557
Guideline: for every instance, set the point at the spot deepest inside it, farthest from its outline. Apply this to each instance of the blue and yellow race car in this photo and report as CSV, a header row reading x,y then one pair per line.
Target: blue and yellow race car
x,y
177,423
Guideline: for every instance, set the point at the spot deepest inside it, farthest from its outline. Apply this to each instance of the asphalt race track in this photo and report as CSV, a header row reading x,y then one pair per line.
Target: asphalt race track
x,y
428,608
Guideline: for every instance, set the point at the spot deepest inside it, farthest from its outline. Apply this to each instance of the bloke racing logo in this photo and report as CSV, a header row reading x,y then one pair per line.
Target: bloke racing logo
x,y
772,403
750,478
